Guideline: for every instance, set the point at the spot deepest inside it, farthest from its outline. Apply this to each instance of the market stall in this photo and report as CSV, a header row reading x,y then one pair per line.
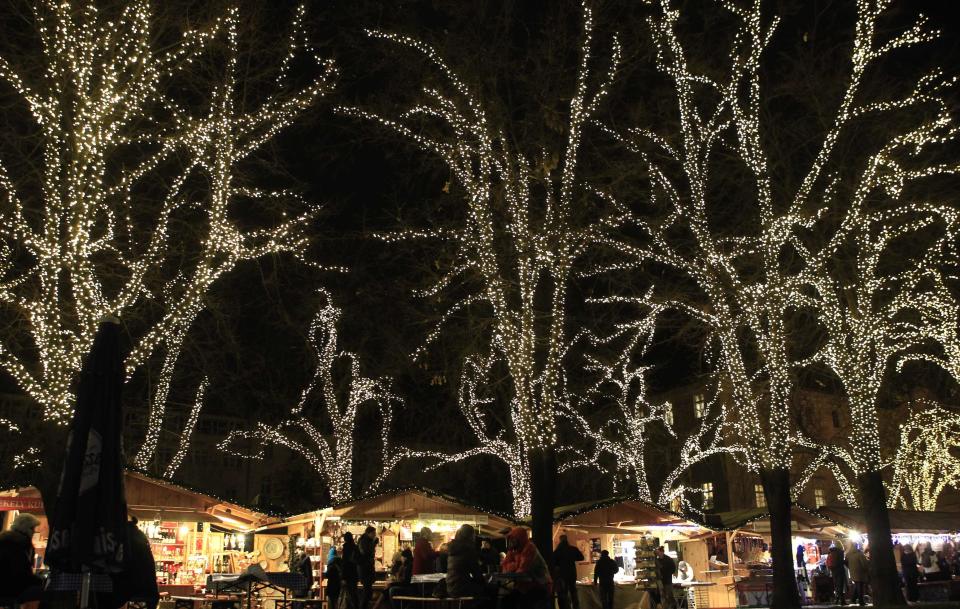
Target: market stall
x,y
192,534
940,531
398,516
630,529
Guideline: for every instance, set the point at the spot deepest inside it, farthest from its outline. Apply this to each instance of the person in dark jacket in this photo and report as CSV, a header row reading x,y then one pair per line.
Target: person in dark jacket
x,y
666,568
367,564
565,559
304,566
138,580
464,577
603,573
911,572
838,571
489,557
16,558
334,576
349,564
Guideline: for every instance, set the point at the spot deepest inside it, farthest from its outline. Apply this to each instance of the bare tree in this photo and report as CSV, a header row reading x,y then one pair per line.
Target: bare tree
x,y
341,391
516,246
123,202
731,245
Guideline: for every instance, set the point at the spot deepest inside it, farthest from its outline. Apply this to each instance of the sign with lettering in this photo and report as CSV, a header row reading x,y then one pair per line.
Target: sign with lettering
x,y
23,504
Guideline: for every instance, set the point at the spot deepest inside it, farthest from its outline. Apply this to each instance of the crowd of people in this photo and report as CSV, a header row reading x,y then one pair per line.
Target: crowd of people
x,y
849,570
465,563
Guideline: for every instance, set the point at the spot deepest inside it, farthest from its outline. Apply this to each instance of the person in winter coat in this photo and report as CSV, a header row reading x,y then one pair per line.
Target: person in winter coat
x,y
350,569
139,576
859,574
334,576
666,568
399,583
565,559
489,557
424,558
16,558
367,564
524,558
911,572
603,573
464,577
838,571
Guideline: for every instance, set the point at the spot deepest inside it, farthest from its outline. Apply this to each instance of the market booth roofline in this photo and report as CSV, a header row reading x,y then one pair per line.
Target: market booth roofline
x,y
901,521
409,504
624,512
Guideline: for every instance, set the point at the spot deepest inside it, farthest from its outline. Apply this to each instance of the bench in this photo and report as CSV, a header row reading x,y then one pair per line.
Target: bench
x,y
187,602
305,603
447,603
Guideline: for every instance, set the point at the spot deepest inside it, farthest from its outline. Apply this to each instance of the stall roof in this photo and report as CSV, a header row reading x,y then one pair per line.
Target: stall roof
x,y
409,503
624,512
149,497
901,521
738,519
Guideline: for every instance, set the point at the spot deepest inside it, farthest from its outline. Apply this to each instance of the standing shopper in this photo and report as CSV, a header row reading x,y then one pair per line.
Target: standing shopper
x,y
838,571
565,559
603,573
464,577
859,574
350,561
367,564
666,568
911,572
424,558
334,576
16,557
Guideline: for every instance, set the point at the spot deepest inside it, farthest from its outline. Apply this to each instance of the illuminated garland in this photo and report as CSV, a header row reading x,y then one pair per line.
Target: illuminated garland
x,y
863,342
624,436
536,235
331,455
187,432
103,89
926,463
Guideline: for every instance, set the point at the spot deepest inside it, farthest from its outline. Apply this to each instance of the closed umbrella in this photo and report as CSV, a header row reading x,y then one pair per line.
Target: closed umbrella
x,y
88,523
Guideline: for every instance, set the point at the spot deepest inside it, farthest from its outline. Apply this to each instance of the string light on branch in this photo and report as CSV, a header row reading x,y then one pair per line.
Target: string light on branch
x,y
114,133
330,454
927,462
511,241
187,432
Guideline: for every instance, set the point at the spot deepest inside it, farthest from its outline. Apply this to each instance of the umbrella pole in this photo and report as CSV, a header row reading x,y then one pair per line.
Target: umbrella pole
x,y
85,590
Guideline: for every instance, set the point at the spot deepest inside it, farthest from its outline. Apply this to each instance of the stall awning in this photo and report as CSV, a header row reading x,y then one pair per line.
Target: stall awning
x,y
411,504
627,513
901,521
173,515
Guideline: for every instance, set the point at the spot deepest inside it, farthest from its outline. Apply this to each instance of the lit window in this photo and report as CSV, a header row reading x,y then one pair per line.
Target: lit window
x,y
758,495
819,498
668,414
676,505
707,495
699,406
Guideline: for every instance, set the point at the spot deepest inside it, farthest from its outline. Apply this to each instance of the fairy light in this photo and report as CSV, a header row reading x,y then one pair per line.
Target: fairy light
x,y
187,432
864,343
330,455
926,463
105,87
508,260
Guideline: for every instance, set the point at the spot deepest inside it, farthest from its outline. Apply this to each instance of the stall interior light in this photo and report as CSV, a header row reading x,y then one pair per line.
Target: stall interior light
x,y
184,529
856,537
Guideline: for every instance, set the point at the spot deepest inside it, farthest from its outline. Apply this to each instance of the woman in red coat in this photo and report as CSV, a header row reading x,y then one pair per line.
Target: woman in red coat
x,y
424,556
524,558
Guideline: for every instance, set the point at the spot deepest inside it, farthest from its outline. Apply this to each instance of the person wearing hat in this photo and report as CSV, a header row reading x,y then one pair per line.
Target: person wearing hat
x,y
16,557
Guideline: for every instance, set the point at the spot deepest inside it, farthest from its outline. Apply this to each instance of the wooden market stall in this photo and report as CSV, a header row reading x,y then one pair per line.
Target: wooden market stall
x,y
397,514
630,529
191,533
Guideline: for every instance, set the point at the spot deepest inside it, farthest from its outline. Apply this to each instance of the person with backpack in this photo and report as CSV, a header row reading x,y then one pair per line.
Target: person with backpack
x,y
838,571
334,577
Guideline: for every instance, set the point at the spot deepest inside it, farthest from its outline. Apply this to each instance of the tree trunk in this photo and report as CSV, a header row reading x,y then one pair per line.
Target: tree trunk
x,y
884,580
776,488
543,484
